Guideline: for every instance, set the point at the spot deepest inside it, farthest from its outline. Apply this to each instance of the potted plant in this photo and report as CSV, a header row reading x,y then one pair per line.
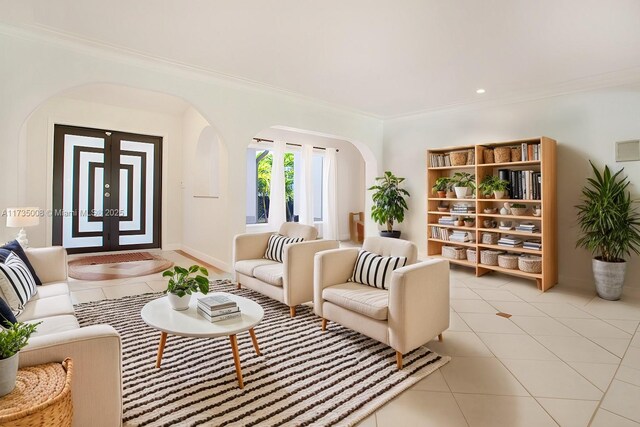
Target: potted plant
x,y
389,203
183,282
12,340
469,221
609,229
492,185
462,182
441,186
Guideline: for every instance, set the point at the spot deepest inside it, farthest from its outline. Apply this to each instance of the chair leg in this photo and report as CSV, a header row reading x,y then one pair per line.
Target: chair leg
x,y
292,311
399,359
239,285
324,324
440,337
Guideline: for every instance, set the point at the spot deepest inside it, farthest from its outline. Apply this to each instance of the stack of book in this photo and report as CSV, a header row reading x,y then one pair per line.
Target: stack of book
x,y
462,208
506,227
535,244
215,308
446,220
527,227
523,185
510,241
530,152
439,233
460,236
440,160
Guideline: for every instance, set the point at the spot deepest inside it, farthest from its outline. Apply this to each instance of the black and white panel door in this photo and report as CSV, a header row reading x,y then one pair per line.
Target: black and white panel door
x,y
107,188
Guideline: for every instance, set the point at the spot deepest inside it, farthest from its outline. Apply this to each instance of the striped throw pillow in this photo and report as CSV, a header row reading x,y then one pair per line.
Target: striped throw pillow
x,y
375,270
16,282
275,247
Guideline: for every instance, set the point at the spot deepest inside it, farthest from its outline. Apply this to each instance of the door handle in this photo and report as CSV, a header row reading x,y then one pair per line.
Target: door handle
x,y
107,194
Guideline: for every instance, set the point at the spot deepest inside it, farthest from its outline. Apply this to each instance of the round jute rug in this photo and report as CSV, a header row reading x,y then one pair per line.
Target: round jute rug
x,y
117,266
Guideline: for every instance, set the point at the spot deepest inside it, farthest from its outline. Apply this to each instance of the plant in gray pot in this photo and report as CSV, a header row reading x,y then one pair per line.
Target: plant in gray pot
x,y
389,203
609,228
183,282
12,340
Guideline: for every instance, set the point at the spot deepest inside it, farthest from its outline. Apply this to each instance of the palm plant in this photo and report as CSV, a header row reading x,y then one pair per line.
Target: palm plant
x,y
609,224
388,200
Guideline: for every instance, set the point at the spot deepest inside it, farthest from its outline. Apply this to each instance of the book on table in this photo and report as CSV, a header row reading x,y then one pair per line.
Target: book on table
x,y
217,305
220,317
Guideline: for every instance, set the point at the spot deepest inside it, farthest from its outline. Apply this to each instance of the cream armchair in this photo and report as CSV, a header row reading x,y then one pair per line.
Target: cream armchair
x,y
290,282
413,311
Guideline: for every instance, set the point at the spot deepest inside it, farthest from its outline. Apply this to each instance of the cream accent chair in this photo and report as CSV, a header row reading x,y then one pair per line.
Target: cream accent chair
x,y
290,282
411,313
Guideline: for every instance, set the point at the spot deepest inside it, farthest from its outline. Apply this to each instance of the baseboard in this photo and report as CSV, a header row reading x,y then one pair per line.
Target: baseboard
x,y
206,258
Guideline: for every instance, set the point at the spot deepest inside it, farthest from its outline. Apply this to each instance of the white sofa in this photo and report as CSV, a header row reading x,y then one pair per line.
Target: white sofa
x,y
408,315
96,386
291,281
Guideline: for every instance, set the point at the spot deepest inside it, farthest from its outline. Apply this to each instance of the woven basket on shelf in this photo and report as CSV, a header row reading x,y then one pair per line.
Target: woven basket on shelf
x,y
516,154
487,154
489,256
458,158
502,154
453,252
471,255
490,238
509,261
530,264
42,397
518,211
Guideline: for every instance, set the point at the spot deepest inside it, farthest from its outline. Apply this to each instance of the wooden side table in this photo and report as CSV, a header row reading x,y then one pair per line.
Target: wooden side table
x,y
42,397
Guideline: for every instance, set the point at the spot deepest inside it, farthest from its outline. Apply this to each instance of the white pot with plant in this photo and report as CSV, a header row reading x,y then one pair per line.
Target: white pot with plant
x,y
12,340
462,182
184,282
492,185
609,229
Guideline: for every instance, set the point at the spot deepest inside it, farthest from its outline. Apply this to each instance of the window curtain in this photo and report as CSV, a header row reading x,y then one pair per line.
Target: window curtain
x,y
330,196
277,213
306,186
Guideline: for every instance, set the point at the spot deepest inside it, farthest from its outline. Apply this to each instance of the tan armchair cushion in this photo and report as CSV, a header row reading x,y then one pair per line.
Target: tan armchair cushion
x,y
293,229
362,299
248,266
271,273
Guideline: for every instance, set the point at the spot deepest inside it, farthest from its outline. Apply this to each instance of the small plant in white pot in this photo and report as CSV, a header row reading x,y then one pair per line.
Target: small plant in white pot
x,y
462,182
183,282
492,185
609,229
12,340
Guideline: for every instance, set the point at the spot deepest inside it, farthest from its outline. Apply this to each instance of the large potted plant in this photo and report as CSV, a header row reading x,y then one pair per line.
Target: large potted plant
x,y
389,203
12,340
492,185
462,182
609,228
183,282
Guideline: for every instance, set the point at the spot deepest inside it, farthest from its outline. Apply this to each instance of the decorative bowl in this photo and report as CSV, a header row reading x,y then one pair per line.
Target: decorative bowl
x,y
443,208
490,210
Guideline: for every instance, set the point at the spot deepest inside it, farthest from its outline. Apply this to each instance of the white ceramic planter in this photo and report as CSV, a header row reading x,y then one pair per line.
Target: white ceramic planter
x,y
461,192
609,278
8,373
498,194
179,303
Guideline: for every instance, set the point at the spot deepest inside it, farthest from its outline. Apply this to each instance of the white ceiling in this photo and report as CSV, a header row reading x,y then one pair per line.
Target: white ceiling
x,y
387,58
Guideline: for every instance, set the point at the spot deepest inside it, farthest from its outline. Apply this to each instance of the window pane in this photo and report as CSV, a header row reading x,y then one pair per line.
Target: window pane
x,y
317,187
289,172
258,185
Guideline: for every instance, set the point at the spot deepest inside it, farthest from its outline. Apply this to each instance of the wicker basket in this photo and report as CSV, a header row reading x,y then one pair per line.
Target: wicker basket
x,y
509,261
518,211
458,158
503,154
42,397
516,154
487,154
489,256
453,252
471,255
530,264
490,238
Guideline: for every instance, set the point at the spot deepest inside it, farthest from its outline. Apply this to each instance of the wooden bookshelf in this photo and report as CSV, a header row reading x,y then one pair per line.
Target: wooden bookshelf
x,y
546,222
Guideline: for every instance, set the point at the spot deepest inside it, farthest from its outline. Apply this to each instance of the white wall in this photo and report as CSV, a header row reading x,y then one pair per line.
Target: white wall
x,y
36,68
586,125
36,157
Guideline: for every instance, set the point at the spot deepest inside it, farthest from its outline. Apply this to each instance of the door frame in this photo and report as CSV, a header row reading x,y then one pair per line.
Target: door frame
x,y
111,156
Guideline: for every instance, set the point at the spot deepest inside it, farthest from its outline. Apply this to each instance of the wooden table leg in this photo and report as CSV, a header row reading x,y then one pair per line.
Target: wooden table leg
x,y
255,341
163,341
236,359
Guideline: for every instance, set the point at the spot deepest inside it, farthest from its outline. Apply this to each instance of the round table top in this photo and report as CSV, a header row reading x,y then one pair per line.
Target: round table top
x,y
159,315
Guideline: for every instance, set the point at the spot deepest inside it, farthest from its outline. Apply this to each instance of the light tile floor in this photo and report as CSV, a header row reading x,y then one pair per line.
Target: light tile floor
x,y
564,358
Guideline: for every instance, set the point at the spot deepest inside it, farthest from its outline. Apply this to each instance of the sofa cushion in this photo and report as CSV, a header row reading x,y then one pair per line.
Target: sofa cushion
x,y
362,299
55,324
51,290
46,307
16,282
247,266
7,318
15,247
276,244
271,274
375,270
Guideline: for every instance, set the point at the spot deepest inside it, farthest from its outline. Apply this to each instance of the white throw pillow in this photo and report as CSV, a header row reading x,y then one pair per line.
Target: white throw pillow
x,y
275,247
16,282
375,270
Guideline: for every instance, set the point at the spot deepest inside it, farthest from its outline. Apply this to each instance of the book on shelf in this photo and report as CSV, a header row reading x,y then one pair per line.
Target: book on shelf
x,y
527,227
219,317
530,151
523,184
439,160
505,227
439,233
461,236
532,244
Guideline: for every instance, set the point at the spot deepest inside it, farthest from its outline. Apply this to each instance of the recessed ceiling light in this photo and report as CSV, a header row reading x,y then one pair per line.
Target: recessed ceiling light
x,y
480,91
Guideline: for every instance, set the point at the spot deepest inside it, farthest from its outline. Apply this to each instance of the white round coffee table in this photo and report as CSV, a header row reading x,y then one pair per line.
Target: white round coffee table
x,y
188,323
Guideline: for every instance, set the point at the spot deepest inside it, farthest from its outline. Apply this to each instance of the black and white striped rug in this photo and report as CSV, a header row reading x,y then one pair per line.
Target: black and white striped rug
x,y
304,376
